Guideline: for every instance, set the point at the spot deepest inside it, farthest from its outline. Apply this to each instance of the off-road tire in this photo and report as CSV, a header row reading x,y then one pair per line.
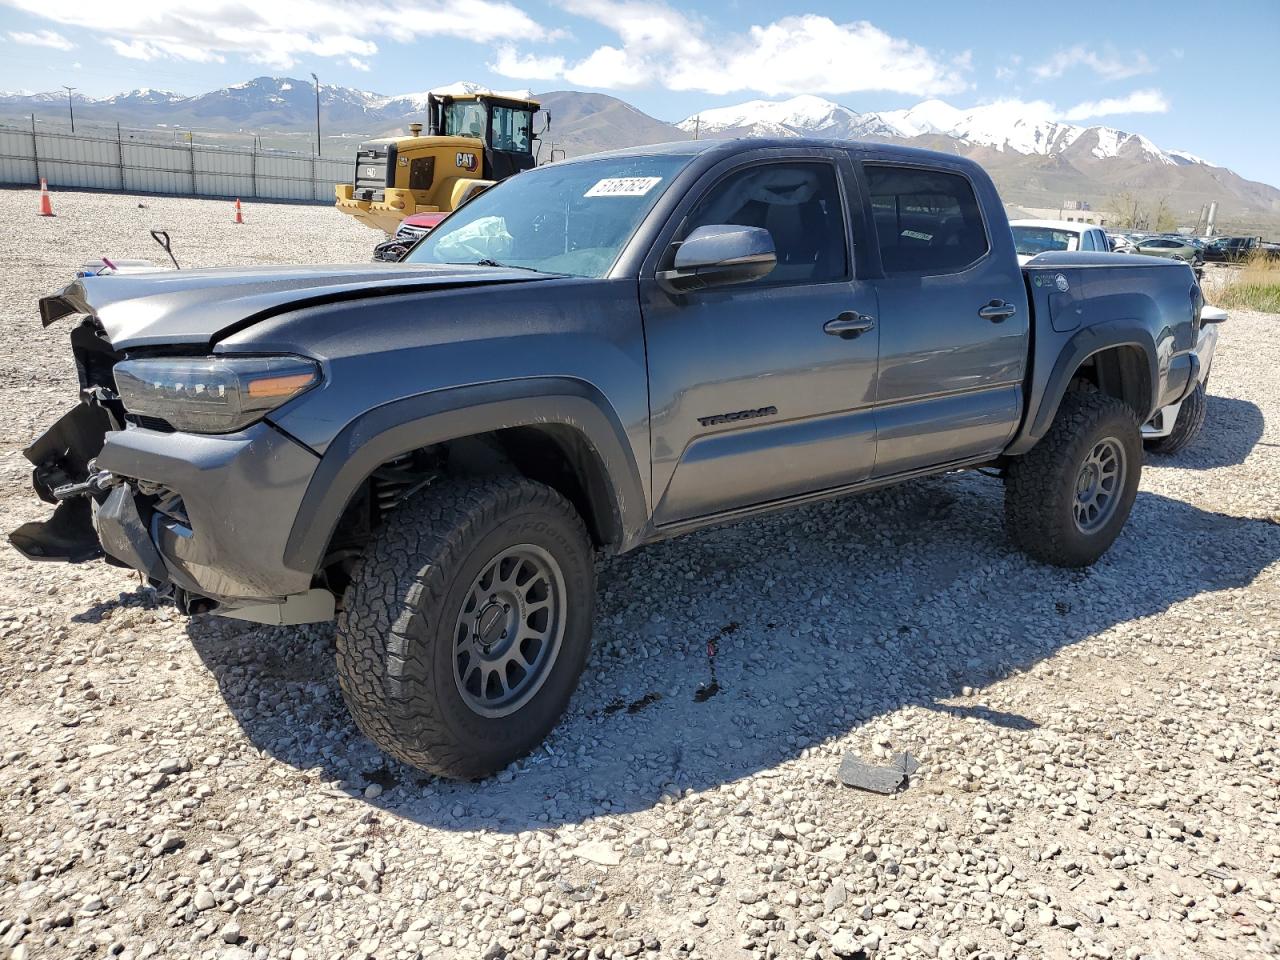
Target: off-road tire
x,y
395,636
1040,487
1186,427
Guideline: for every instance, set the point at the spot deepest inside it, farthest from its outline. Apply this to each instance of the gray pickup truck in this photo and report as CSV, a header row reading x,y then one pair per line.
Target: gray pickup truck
x,y
591,356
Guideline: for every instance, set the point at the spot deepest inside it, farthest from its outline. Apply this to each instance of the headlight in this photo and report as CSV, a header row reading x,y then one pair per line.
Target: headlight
x,y
212,394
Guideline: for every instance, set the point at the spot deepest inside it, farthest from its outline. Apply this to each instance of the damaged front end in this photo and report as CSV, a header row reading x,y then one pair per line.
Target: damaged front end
x,y
64,470
156,429
96,514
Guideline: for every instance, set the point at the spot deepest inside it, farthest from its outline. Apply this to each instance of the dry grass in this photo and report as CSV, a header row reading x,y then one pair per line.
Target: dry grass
x,y
1255,287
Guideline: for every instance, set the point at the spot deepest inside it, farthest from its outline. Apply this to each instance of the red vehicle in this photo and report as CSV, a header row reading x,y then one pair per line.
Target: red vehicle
x,y
412,229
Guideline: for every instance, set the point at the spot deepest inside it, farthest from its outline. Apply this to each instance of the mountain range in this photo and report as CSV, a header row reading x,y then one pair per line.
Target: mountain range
x,y
1004,126
1036,161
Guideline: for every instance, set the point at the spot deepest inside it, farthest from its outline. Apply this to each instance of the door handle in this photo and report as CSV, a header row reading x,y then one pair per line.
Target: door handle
x,y
849,325
997,311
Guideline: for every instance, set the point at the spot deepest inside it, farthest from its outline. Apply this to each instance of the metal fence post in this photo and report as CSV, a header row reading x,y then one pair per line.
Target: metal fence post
x,y
35,149
120,153
313,179
253,167
191,145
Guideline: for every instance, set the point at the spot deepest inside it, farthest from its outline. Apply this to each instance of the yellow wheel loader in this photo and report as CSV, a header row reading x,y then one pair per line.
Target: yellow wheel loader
x,y
472,141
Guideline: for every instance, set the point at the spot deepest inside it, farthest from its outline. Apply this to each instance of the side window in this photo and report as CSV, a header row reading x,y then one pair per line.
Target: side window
x,y
798,203
1086,241
510,129
926,221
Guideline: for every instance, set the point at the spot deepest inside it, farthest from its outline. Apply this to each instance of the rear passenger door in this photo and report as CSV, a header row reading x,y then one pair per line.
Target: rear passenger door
x,y
953,319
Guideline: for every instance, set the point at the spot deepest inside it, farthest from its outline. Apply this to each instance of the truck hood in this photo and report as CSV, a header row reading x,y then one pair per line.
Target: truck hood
x,y
181,307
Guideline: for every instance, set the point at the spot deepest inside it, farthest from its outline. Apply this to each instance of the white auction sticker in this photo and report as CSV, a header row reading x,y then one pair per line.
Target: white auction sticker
x,y
623,187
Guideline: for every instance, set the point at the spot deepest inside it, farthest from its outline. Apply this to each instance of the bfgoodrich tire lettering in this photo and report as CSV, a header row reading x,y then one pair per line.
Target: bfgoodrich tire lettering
x,y
398,632
1045,489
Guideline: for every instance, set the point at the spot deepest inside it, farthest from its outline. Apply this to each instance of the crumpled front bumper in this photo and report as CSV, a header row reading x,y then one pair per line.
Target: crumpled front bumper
x,y
208,516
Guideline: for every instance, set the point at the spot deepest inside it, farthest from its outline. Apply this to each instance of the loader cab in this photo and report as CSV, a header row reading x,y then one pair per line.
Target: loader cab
x,y
503,124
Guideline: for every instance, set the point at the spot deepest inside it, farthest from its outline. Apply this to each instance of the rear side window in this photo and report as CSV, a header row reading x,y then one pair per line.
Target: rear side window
x,y
798,203
927,221
1087,243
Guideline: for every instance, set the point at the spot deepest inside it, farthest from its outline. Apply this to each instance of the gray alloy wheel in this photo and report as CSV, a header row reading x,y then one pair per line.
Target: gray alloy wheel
x,y
1099,484
508,633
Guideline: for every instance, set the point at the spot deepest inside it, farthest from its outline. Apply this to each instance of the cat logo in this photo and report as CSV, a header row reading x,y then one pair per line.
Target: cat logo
x,y
466,161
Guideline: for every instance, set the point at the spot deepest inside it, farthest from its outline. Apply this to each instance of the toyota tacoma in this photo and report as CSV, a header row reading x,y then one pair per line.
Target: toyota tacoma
x,y
590,357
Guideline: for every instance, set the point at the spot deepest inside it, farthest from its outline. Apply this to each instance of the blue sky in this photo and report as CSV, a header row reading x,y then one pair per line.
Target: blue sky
x,y
1198,77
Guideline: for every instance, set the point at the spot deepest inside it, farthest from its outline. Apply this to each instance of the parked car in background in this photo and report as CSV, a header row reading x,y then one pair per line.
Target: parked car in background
x,y
1238,249
1034,237
1176,426
1170,249
1120,242
412,229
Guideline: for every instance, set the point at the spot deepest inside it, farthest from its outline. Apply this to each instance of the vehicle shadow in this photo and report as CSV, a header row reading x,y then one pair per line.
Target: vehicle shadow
x,y
1232,428
823,619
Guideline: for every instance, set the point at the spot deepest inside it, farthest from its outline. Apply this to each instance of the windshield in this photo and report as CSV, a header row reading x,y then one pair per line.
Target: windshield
x,y
571,218
464,118
1030,241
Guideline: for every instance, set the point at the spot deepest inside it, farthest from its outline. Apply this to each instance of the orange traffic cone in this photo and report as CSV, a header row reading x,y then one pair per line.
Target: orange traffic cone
x,y
239,218
46,207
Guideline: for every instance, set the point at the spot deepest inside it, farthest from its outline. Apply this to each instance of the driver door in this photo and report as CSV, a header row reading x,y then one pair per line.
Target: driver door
x,y
755,396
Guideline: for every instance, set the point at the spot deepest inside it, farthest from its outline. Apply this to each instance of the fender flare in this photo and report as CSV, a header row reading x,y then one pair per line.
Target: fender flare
x,y
392,429
1082,345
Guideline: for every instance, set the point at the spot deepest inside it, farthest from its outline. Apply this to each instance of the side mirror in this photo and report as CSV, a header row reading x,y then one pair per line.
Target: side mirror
x,y
717,255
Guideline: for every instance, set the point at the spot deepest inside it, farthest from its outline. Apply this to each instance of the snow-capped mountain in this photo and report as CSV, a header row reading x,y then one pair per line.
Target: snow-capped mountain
x,y
279,103
797,117
1003,126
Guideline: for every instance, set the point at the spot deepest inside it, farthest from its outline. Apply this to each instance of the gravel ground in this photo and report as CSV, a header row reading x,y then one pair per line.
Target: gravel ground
x,y
1099,764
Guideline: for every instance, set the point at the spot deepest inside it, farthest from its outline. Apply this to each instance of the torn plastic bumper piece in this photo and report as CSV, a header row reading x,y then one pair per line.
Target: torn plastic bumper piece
x,y
61,457
124,536
67,536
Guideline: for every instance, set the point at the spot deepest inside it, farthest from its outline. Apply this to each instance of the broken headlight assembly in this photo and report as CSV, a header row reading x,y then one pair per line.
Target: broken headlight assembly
x,y
211,394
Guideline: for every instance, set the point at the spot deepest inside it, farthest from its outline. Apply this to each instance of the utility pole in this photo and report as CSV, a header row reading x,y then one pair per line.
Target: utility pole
x,y
317,80
70,109
697,126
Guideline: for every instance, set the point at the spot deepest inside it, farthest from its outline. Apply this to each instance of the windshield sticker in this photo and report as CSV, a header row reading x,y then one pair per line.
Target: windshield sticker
x,y
917,235
623,187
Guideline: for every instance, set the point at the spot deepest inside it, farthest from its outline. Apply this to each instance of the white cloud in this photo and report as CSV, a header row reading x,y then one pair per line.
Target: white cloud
x,y
661,46
1140,101
509,63
281,32
1009,69
162,50
42,38
358,64
1110,66
609,68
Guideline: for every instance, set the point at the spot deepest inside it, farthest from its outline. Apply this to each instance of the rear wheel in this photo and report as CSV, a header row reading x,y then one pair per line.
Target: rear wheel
x,y
1186,427
1068,498
467,624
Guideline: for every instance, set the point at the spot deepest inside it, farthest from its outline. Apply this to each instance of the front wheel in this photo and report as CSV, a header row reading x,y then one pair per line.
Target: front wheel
x,y
467,624
1068,498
